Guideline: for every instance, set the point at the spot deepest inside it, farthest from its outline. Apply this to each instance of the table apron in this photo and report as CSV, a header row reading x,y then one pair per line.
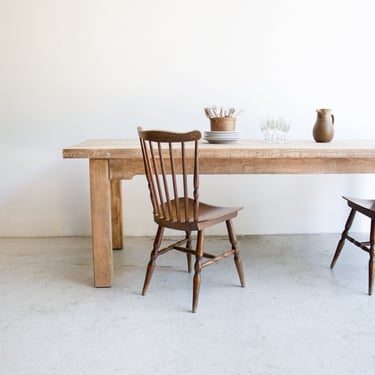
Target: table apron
x,y
125,169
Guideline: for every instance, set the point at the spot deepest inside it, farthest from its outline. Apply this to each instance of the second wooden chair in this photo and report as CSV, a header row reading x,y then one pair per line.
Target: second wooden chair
x,y
367,208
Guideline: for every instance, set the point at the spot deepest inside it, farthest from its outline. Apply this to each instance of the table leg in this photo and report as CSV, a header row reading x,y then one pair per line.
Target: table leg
x,y
116,209
100,194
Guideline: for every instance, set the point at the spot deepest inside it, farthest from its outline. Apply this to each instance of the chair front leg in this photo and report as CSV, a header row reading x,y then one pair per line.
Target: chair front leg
x,y
197,269
237,259
188,246
371,260
340,244
371,269
153,256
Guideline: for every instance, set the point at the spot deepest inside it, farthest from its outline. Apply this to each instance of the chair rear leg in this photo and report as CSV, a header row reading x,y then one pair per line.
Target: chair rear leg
x,y
188,255
237,259
197,269
341,242
153,256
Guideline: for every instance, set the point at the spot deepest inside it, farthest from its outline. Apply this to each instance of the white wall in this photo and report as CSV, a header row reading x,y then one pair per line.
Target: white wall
x,y
78,69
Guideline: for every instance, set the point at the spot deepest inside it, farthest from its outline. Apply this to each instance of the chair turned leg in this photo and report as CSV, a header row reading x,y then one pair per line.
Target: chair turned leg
x,y
237,259
197,269
153,256
341,242
188,255
371,269
371,260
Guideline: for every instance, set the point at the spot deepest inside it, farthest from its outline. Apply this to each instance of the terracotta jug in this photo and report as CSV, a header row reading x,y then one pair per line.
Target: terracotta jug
x,y
323,130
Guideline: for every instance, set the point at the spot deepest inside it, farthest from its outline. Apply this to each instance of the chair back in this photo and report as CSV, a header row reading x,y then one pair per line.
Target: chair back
x,y
171,168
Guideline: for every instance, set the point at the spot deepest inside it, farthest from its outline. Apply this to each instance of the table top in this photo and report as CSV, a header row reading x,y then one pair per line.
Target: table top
x,y
130,148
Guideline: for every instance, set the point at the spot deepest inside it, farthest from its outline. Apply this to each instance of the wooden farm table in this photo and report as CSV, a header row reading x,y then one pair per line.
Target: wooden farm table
x,y
114,160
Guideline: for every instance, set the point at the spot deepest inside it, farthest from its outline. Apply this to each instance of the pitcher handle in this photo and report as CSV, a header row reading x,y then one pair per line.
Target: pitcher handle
x,y
333,119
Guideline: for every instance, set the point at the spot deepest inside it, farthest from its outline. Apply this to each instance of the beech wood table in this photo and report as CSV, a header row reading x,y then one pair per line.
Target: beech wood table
x,y
111,161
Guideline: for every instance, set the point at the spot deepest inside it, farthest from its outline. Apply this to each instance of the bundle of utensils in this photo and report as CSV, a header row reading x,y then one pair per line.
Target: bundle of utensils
x,y
221,112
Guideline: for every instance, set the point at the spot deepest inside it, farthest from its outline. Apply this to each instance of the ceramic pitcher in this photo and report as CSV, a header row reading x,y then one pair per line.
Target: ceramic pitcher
x,y
323,130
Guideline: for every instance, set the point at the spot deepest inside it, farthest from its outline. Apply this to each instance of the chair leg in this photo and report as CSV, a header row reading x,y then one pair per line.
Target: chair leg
x,y
197,269
188,255
371,270
371,260
237,259
340,244
154,254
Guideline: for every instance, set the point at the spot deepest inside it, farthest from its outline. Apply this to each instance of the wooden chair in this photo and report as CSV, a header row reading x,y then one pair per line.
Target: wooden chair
x,y
367,208
171,168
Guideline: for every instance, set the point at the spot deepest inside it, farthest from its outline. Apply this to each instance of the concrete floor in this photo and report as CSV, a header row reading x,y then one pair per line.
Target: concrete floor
x,y
295,316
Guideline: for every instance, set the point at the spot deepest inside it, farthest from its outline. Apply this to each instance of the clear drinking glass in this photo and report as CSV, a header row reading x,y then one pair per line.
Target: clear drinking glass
x,y
284,126
275,128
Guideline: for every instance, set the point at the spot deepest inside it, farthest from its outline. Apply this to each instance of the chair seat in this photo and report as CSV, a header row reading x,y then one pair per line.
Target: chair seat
x,y
365,206
208,215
